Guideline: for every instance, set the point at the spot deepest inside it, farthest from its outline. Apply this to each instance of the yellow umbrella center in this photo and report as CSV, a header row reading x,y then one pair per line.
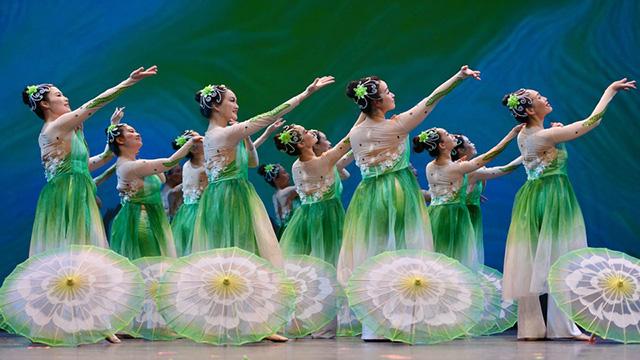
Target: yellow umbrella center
x,y
228,285
414,286
619,286
68,286
153,288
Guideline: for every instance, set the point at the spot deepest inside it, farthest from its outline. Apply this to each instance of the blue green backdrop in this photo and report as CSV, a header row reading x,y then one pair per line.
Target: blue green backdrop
x,y
269,51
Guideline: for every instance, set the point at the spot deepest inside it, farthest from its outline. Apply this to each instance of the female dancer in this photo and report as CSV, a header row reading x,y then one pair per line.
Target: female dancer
x,y
324,144
285,199
387,211
316,228
243,222
194,181
141,227
476,182
453,233
546,220
67,212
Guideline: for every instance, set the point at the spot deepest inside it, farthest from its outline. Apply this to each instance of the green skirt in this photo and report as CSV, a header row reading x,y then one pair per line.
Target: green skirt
x,y
231,214
67,214
141,230
387,212
475,213
182,228
315,229
454,235
546,222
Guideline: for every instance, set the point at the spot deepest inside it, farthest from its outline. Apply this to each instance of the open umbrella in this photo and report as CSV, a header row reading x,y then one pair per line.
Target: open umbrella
x,y
225,296
417,297
316,294
599,289
149,324
72,295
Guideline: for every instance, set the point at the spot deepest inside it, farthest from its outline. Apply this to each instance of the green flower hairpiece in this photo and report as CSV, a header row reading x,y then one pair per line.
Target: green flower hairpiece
x,y
32,89
513,101
423,136
269,167
112,127
285,137
181,140
360,91
207,90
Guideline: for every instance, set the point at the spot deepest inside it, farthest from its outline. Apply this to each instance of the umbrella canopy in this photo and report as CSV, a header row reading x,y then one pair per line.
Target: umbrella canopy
x,y
316,294
501,314
149,324
225,297
492,301
599,289
72,295
417,297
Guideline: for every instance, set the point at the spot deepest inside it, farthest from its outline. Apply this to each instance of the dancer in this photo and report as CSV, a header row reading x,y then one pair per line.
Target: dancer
x,y
285,199
194,181
324,144
67,212
316,228
546,220
141,227
476,181
453,232
387,211
243,222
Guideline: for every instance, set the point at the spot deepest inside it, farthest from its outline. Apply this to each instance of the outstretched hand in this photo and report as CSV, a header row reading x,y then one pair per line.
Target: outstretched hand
x,y
623,84
516,129
276,125
466,72
117,115
319,83
140,73
196,139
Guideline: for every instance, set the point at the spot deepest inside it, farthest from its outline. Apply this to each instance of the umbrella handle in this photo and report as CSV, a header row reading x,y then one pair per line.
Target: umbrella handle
x,y
592,339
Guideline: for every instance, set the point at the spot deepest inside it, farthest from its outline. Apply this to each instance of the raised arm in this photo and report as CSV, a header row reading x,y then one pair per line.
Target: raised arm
x,y
98,161
580,128
338,151
494,172
481,160
144,167
75,118
252,153
343,163
98,180
268,132
253,125
410,119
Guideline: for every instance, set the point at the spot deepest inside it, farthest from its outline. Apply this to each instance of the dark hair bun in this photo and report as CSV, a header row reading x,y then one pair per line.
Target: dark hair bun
x,y
418,146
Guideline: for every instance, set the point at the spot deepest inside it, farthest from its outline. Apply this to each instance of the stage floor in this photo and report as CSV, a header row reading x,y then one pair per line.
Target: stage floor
x,y
495,347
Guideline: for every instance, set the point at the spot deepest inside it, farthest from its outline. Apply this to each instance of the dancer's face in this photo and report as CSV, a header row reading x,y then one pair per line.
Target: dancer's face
x,y
447,141
387,101
308,138
541,106
197,148
228,109
283,178
130,138
469,148
323,144
56,102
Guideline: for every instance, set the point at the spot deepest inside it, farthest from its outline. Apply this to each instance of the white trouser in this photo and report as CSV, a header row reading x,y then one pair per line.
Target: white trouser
x,y
531,323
